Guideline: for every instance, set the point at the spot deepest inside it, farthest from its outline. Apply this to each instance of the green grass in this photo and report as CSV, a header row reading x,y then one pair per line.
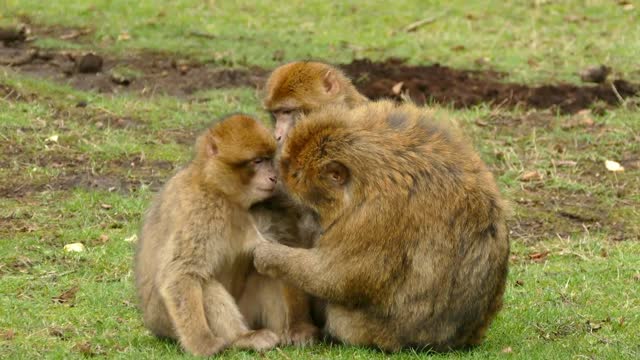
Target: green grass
x,y
532,40
580,301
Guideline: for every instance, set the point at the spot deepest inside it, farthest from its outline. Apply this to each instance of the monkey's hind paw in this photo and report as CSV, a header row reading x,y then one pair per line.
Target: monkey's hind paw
x,y
258,340
301,334
205,345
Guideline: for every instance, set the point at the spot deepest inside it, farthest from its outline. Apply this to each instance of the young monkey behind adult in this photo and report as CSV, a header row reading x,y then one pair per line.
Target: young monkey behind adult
x,y
303,87
193,264
414,249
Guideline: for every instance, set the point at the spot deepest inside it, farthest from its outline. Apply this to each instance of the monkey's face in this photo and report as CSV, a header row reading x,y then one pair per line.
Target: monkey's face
x,y
321,185
263,180
236,156
283,119
298,88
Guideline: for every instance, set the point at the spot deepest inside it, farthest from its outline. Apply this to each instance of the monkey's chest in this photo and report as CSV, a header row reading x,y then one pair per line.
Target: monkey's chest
x,y
234,274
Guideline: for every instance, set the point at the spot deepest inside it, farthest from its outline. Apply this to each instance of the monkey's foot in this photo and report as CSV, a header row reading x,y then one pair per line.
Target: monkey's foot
x,y
203,345
301,334
257,340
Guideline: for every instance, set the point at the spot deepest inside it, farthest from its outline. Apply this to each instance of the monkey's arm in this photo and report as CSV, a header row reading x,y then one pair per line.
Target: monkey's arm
x,y
313,271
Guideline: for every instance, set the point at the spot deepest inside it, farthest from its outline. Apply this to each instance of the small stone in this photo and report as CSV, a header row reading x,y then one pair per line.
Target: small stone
x,y
90,64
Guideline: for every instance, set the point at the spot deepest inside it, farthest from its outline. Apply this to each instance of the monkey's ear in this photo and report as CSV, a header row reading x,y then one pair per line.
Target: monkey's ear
x,y
330,83
207,146
337,173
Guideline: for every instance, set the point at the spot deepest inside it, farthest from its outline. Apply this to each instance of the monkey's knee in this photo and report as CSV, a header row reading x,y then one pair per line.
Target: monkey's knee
x,y
156,318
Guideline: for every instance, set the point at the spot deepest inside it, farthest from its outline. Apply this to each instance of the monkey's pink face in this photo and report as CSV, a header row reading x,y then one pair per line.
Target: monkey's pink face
x,y
264,180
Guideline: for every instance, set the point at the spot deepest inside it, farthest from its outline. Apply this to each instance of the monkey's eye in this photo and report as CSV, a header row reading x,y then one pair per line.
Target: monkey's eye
x,y
258,160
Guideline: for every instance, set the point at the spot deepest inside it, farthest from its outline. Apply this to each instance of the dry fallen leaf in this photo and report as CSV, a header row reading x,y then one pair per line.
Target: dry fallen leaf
x,y
519,282
507,350
74,247
52,138
613,166
533,175
66,296
124,36
7,334
131,239
106,206
103,238
565,163
593,326
397,88
539,256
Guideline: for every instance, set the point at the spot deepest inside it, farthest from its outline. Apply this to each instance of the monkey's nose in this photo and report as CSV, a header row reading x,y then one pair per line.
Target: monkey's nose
x,y
278,138
273,179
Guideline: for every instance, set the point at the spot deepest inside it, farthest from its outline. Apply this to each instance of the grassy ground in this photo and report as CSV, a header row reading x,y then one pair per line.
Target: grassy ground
x,y
85,174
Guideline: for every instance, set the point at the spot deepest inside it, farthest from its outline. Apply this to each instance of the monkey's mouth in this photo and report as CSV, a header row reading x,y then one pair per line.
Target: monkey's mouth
x,y
269,190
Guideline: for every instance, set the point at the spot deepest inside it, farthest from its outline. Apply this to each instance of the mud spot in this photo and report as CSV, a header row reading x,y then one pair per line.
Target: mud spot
x,y
465,88
146,73
79,172
150,74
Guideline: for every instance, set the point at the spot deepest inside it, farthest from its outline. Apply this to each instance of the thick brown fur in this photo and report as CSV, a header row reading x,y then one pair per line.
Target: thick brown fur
x,y
414,249
303,87
193,264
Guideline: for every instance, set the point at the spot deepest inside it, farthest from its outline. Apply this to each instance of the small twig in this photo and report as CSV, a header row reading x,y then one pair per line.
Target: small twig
x,y
202,35
27,58
57,274
420,23
282,353
615,91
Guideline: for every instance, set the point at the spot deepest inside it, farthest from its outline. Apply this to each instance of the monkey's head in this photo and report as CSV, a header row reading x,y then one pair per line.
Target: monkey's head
x,y
302,87
316,166
235,157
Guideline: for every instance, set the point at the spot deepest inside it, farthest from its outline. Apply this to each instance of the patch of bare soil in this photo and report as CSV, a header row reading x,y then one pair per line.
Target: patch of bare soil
x,y
153,73
70,171
146,74
545,203
465,88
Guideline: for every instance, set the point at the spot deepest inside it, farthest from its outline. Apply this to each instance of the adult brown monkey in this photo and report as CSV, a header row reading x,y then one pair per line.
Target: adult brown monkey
x,y
414,249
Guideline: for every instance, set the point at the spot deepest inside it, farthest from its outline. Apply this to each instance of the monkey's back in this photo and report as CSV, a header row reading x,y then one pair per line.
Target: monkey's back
x,y
441,220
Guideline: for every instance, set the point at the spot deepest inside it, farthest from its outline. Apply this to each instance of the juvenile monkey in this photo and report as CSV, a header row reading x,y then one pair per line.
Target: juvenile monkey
x,y
193,264
302,87
414,249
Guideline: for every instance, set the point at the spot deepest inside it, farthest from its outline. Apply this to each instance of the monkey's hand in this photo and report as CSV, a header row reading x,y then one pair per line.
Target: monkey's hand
x,y
265,258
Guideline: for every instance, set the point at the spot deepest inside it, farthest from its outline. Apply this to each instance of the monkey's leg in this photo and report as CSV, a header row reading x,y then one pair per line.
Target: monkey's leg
x,y
355,327
226,321
310,271
268,303
222,312
300,328
156,317
183,298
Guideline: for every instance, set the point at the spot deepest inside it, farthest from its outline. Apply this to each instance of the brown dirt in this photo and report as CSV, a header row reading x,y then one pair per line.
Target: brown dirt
x,y
153,73
78,171
465,88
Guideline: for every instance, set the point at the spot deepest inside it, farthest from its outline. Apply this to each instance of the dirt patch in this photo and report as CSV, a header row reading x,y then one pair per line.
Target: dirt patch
x,y
146,74
154,73
464,88
73,172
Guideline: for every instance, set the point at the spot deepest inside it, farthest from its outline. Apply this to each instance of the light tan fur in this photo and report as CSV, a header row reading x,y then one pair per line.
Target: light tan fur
x,y
414,245
193,264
